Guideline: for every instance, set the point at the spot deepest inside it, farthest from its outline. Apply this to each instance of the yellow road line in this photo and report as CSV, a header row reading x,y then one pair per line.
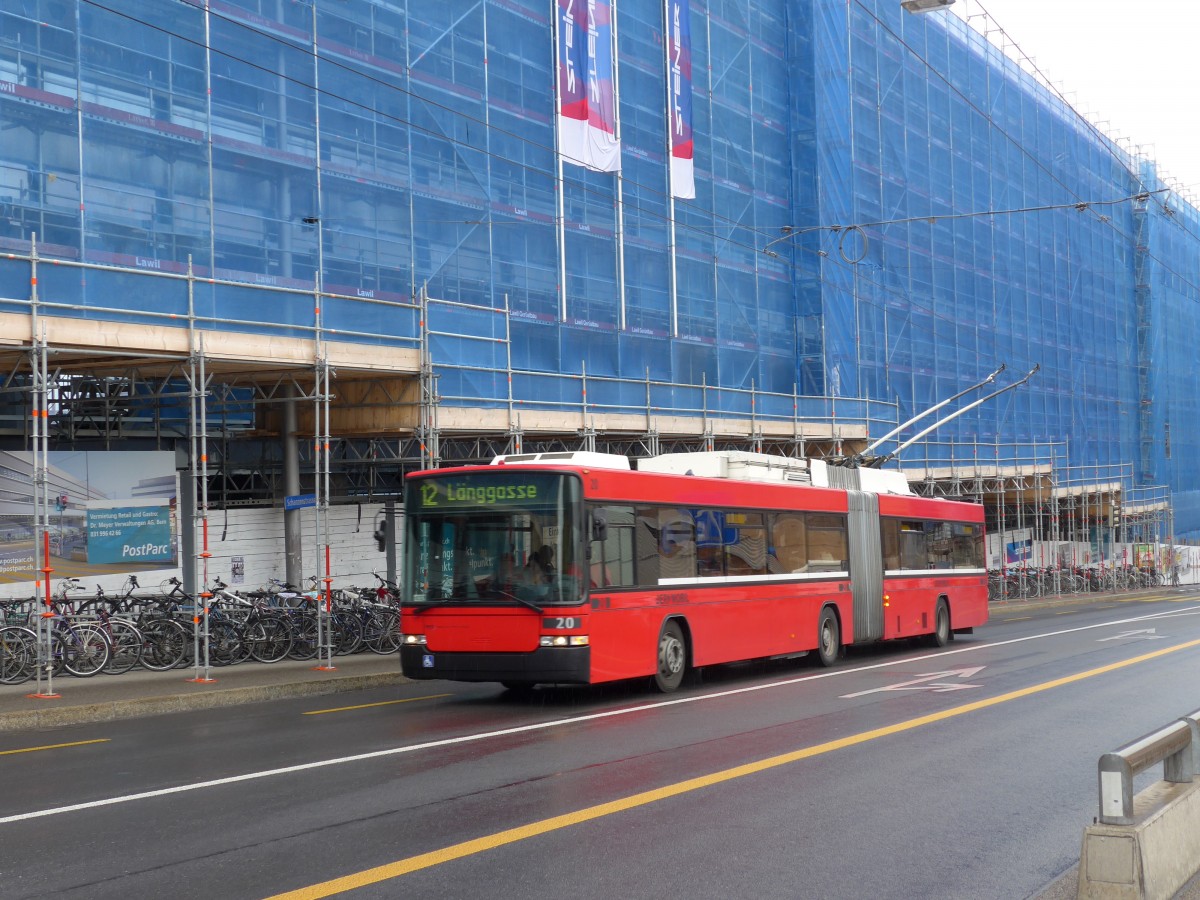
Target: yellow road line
x,y
55,746
321,712
533,829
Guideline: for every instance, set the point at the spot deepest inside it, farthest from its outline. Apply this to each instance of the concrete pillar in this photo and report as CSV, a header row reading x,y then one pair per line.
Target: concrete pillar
x,y
293,538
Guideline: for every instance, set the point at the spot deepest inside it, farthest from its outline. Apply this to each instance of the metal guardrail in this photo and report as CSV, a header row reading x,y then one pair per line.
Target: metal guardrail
x,y
1176,746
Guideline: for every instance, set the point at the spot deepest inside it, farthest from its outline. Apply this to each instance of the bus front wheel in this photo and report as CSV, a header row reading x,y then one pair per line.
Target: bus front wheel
x,y
829,639
672,658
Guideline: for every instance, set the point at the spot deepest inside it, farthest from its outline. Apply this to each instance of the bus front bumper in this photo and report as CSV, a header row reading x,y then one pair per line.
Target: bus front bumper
x,y
546,665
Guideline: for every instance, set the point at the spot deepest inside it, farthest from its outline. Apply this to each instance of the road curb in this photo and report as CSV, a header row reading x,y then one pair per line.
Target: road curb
x,y
202,698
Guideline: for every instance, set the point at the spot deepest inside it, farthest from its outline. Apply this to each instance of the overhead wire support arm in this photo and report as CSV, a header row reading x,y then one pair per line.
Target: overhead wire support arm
x,y
879,461
895,431
858,459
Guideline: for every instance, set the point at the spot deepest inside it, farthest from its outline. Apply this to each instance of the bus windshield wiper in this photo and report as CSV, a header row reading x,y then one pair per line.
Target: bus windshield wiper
x,y
520,600
421,606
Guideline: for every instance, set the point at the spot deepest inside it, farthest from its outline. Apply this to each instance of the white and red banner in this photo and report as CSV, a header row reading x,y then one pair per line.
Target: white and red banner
x,y
679,97
587,103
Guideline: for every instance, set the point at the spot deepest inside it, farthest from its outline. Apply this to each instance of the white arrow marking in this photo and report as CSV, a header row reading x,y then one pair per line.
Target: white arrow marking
x,y
1145,634
927,683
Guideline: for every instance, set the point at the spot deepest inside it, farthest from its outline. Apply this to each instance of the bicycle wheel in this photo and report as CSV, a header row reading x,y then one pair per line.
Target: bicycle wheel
x,y
304,636
269,638
384,630
85,649
164,643
126,646
226,644
346,632
18,654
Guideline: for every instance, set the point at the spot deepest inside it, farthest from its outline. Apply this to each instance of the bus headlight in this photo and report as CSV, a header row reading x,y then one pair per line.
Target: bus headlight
x,y
415,639
563,640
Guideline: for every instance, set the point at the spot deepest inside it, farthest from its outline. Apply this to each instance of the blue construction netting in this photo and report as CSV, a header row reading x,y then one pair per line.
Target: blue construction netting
x,y
1009,233
947,211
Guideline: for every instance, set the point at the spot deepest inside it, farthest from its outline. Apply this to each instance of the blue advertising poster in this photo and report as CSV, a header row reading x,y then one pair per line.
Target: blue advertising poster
x,y
124,534
1017,551
111,514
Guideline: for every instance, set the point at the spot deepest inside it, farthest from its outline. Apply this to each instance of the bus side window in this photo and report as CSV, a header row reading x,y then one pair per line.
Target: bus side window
x,y
890,539
912,546
938,545
827,548
746,544
967,550
611,563
664,544
789,544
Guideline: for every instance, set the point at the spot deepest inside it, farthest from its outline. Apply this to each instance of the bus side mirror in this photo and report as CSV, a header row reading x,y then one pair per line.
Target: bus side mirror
x,y
599,525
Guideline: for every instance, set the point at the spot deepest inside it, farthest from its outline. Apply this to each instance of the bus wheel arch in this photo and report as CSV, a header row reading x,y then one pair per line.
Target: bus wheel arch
x,y
672,658
829,636
943,631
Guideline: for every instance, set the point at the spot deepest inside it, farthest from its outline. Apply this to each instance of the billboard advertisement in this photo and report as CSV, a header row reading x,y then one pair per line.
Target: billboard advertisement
x,y
110,513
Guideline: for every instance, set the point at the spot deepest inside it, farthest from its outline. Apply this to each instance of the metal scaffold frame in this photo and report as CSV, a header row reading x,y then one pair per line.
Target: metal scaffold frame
x,y
112,398
108,397
1060,521
41,506
197,588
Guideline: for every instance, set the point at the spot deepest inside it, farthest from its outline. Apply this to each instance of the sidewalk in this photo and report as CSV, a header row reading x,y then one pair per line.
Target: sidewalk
x,y
104,698
1164,592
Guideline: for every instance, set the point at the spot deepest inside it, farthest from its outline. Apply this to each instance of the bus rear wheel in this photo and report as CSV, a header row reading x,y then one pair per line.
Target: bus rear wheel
x,y
672,658
829,638
942,635
518,688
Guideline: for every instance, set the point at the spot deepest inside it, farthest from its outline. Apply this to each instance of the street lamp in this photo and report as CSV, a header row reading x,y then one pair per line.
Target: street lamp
x,y
924,6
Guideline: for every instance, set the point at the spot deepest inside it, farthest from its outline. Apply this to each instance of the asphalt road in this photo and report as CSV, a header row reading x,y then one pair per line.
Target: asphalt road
x,y
903,772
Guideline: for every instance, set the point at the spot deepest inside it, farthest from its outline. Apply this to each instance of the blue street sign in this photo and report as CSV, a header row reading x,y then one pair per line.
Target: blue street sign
x,y
299,501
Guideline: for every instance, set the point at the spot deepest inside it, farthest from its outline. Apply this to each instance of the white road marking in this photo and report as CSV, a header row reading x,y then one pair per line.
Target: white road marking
x,y
1145,634
927,683
557,723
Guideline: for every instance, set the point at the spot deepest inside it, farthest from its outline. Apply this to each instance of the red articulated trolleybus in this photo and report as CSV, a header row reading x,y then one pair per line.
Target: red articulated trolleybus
x,y
573,568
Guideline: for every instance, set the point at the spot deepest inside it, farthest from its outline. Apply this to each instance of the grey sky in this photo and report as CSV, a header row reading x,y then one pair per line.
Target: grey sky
x,y
1128,64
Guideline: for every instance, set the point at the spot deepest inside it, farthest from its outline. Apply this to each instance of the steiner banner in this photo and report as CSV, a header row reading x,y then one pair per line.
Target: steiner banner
x,y
679,98
587,103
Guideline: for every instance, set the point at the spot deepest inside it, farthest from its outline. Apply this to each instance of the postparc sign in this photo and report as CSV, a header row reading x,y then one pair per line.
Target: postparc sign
x,y
129,533
111,514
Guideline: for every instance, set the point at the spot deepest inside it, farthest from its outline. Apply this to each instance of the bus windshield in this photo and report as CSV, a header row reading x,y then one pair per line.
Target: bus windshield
x,y
505,537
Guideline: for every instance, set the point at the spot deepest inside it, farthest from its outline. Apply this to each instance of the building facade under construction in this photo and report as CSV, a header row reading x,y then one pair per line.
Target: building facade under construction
x,y
317,244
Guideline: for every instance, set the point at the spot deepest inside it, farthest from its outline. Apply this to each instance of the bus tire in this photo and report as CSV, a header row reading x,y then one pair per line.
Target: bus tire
x,y
671,658
518,688
829,638
942,635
